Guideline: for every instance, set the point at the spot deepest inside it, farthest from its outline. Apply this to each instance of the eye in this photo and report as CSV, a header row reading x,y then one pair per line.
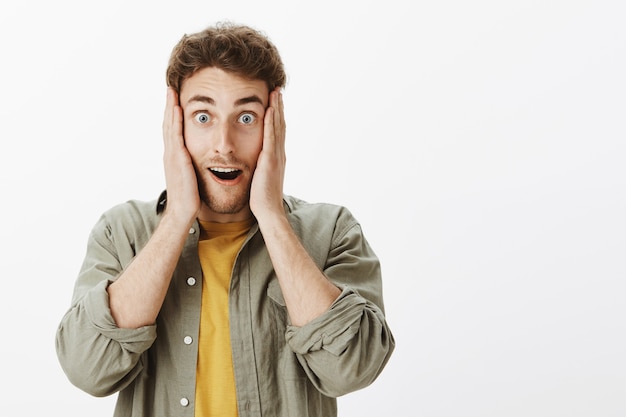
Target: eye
x,y
202,118
247,118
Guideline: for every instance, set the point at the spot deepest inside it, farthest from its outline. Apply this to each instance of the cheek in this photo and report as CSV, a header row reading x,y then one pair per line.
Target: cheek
x,y
194,141
254,147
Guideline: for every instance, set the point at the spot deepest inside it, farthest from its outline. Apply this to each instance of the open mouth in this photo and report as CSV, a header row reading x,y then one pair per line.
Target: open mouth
x,y
225,173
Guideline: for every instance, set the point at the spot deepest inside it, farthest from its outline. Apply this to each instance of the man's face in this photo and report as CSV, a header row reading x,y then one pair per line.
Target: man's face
x,y
223,130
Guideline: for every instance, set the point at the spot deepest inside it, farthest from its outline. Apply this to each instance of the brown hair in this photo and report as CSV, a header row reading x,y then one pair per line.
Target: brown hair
x,y
237,49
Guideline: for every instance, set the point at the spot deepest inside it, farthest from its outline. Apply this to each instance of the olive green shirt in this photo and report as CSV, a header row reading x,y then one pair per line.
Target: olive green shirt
x,y
280,369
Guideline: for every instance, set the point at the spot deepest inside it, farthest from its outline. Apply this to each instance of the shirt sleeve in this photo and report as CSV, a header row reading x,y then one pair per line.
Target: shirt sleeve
x,y
96,355
347,347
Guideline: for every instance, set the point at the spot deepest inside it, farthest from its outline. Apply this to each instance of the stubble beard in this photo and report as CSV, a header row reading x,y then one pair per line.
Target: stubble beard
x,y
231,201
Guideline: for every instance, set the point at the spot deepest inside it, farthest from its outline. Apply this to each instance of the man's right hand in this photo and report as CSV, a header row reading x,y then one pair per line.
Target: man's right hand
x,y
136,296
183,199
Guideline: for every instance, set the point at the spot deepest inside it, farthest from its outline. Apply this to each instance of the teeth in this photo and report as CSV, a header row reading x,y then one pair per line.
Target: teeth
x,y
226,170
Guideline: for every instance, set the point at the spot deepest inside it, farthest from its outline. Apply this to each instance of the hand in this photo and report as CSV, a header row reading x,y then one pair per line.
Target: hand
x,y
183,199
266,195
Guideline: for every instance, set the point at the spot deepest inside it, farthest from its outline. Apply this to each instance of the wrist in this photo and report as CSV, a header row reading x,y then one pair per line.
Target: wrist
x,y
175,220
272,221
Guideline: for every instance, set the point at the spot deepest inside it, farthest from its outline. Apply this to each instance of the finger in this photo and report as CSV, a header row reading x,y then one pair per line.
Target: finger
x,y
281,107
279,110
268,128
168,115
276,101
172,119
279,123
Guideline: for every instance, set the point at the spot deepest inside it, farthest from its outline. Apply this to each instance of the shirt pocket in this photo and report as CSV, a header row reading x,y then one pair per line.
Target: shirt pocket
x,y
277,314
275,293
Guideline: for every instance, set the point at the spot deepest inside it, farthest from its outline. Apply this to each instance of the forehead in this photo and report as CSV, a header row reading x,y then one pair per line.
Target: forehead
x,y
222,87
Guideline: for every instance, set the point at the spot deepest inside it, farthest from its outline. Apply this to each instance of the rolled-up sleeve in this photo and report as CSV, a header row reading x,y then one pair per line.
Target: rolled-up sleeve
x,y
96,355
347,347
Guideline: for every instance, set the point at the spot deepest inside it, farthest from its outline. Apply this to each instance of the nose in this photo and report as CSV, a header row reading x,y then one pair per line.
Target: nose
x,y
224,143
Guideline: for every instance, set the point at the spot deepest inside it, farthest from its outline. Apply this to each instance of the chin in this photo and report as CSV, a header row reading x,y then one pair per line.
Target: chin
x,y
224,200
221,207
226,204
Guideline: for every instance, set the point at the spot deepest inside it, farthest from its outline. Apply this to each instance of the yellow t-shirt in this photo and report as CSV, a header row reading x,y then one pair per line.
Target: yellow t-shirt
x,y
215,380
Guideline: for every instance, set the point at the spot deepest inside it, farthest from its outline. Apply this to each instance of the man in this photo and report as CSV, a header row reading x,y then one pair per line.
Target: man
x,y
224,297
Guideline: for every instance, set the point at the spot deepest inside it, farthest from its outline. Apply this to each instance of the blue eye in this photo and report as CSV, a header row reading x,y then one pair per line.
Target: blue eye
x,y
247,118
202,118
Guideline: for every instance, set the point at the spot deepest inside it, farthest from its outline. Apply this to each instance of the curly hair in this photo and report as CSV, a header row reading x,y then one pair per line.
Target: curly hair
x,y
237,49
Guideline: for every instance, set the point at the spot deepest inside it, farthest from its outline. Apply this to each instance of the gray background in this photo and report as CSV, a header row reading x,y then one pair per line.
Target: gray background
x,y
481,144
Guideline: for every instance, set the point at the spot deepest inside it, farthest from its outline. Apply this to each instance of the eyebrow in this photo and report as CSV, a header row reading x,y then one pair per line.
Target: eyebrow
x,y
250,99
239,102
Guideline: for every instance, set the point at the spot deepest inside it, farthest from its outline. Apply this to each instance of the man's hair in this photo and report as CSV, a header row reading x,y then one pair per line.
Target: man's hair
x,y
236,49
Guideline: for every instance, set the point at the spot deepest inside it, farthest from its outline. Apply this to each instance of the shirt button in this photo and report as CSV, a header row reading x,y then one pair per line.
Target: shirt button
x,y
184,402
191,281
187,340
192,231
